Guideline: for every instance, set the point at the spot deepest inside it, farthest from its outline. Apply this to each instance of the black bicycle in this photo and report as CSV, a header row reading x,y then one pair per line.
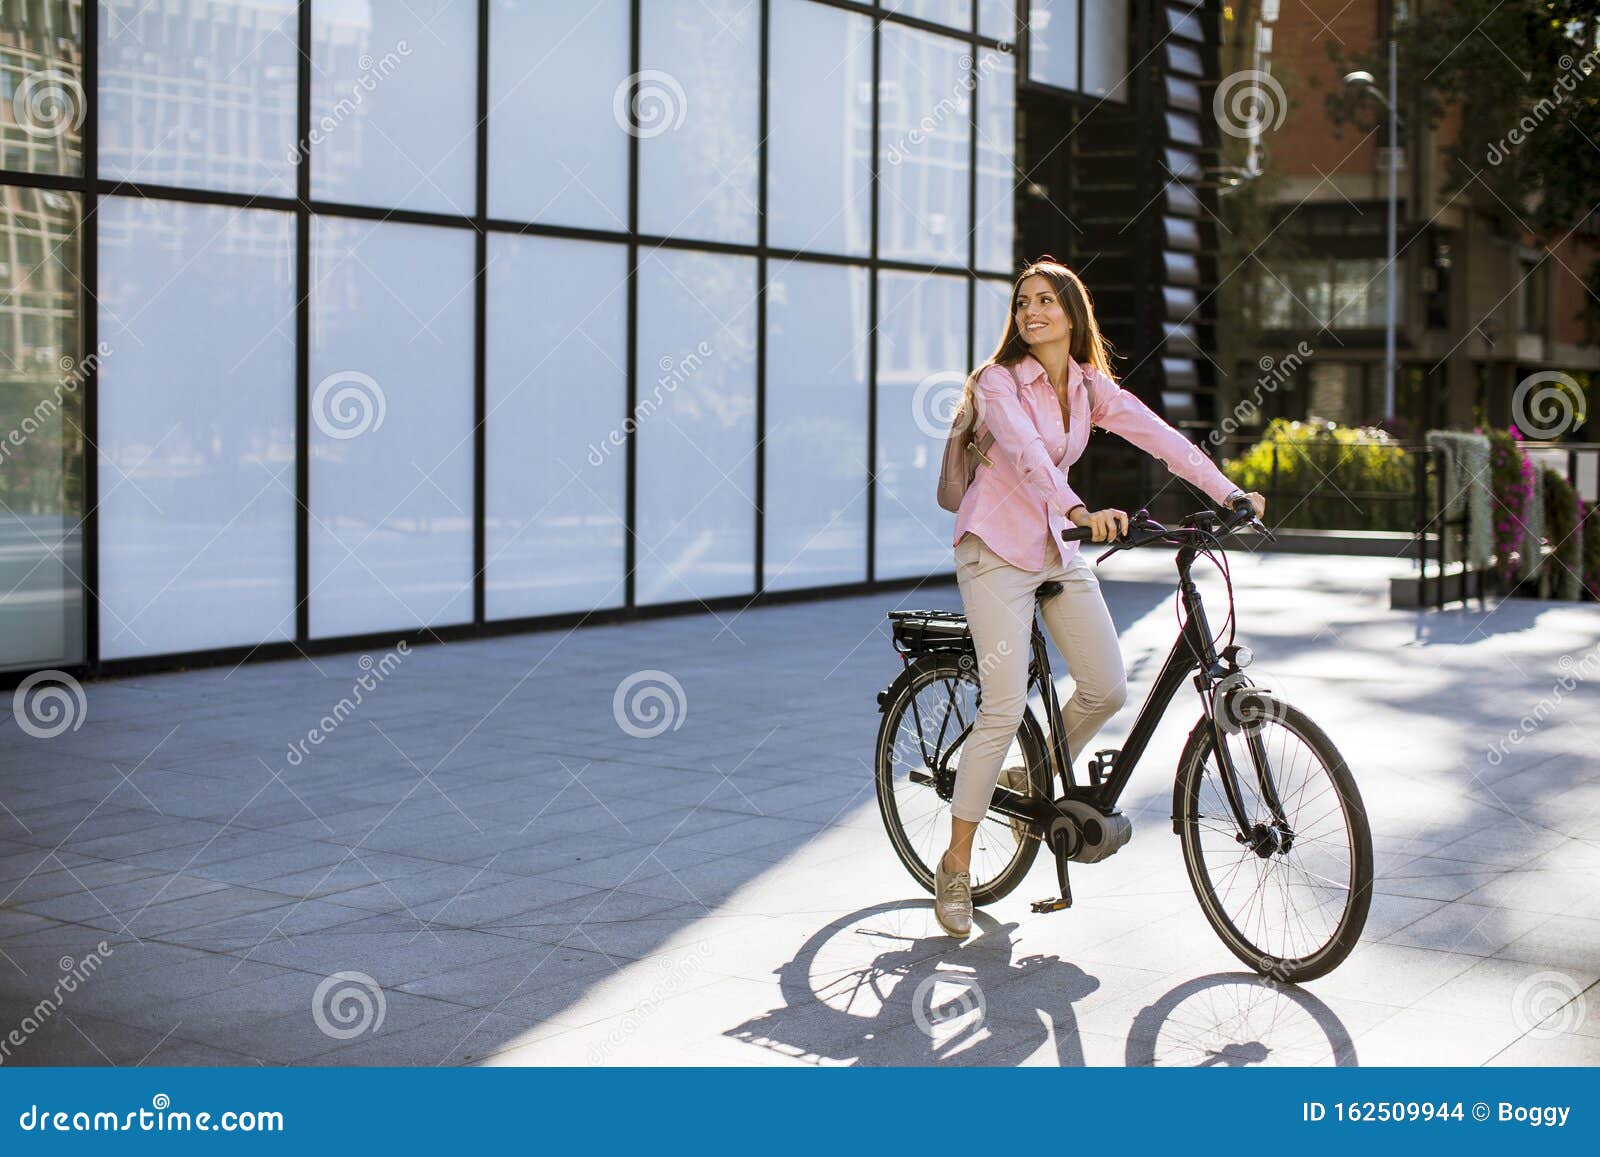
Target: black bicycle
x,y
1279,853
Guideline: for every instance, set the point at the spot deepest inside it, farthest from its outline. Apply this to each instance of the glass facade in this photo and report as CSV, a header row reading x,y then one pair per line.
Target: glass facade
x,y
452,313
1081,45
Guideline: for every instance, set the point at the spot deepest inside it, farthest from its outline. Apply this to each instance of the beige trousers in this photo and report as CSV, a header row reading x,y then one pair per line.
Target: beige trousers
x,y
999,601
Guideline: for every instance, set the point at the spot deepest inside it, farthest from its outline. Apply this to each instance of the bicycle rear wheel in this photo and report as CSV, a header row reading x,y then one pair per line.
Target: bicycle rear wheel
x,y
1291,908
919,734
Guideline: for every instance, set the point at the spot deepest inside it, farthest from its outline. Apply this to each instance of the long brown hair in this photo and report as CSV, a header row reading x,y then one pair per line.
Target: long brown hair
x,y
1087,346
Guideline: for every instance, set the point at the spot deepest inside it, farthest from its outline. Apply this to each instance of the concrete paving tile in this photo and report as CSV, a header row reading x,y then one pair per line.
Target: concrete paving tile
x,y
1475,929
463,1038
1417,1036
1563,942
502,982
392,958
1570,1050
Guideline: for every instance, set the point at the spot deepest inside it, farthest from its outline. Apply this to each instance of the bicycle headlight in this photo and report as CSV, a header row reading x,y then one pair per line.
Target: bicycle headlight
x,y
1238,655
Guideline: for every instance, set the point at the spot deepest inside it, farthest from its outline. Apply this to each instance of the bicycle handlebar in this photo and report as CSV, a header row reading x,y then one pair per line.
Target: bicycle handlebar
x,y
1143,530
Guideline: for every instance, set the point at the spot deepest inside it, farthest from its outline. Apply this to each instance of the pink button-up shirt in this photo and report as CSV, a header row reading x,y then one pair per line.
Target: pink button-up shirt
x,y
1020,504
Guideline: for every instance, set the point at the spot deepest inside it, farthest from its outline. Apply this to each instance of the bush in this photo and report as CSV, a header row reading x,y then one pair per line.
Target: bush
x,y
1591,549
1329,477
1565,563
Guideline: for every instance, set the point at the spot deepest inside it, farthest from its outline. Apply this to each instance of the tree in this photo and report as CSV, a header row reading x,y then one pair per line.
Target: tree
x,y
1523,79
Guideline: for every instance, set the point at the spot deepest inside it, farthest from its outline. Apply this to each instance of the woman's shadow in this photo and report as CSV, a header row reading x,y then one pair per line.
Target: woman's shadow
x,y
886,986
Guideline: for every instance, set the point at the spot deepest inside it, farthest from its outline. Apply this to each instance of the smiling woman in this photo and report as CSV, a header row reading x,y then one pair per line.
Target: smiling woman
x,y
1039,394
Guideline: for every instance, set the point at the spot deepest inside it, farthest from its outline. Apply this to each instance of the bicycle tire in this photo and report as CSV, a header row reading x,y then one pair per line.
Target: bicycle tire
x,y
1191,771
1032,742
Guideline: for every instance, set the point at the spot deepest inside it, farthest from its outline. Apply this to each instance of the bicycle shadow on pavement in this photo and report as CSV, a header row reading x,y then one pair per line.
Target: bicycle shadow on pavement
x,y
886,986
1235,1020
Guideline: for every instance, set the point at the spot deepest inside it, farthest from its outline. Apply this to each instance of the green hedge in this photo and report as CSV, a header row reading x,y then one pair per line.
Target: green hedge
x,y
1564,565
1329,477
1591,549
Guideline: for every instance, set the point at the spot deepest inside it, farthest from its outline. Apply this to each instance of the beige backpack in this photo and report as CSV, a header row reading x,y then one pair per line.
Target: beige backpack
x,y
967,445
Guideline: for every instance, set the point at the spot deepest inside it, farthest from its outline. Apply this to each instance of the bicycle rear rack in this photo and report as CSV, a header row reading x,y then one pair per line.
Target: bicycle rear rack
x,y
923,632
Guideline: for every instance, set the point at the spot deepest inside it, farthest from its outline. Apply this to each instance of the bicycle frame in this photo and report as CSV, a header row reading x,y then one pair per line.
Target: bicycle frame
x,y
1192,652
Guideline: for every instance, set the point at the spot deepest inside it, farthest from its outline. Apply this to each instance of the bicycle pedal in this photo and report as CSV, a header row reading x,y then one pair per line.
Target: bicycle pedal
x,y
1054,904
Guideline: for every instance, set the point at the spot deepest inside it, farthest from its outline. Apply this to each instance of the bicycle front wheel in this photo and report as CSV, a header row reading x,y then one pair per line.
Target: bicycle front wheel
x,y
921,733
1290,897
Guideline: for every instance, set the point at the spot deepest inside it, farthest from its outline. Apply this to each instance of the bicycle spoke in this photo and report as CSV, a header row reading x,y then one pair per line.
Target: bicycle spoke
x,y
1288,904
940,711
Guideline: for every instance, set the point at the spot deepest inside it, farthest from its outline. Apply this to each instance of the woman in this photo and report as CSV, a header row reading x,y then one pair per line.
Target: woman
x,y
1047,383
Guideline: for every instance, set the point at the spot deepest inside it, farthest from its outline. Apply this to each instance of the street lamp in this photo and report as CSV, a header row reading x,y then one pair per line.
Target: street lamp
x,y
1366,82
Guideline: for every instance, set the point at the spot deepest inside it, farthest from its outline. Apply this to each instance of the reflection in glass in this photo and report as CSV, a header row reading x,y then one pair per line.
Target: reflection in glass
x,y
697,115
819,111
923,143
696,427
997,121
200,95
557,153
816,436
998,18
197,420
556,460
1105,49
41,423
42,103
991,302
922,354
1053,42
391,426
394,103
955,13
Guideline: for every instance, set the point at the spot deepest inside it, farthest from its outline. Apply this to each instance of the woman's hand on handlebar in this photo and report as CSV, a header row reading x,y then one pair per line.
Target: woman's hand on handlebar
x,y
1258,502
1105,524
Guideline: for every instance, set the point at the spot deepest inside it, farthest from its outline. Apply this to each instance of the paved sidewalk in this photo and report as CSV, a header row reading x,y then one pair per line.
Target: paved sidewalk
x,y
480,864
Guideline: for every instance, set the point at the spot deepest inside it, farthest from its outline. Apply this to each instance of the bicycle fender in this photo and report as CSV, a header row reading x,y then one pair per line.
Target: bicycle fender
x,y
907,673
1198,734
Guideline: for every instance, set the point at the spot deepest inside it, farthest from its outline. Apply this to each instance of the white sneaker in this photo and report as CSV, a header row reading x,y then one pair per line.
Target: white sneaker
x,y
952,900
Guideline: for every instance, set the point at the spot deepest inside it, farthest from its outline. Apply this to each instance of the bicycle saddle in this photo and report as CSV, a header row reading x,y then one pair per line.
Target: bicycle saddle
x,y
1046,589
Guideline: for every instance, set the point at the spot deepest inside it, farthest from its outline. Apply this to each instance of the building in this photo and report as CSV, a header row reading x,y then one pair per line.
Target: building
x,y
1483,301
326,323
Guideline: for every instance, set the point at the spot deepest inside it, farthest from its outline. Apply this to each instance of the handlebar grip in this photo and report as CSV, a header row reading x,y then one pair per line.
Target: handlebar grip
x,y
1077,534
